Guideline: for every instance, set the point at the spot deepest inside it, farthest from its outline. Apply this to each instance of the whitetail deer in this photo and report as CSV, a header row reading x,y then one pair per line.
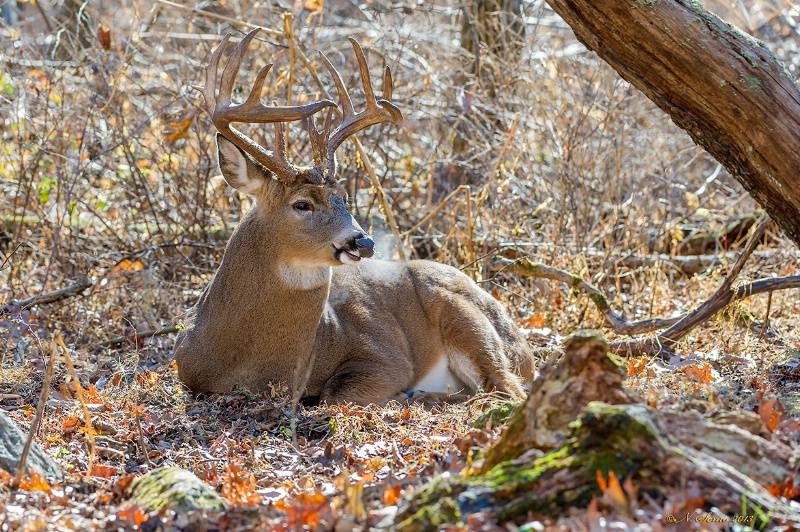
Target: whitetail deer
x,y
292,282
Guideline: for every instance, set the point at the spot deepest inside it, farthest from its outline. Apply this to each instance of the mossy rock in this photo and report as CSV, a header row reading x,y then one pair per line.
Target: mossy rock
x,y
498,415
173,488
626,439
12,442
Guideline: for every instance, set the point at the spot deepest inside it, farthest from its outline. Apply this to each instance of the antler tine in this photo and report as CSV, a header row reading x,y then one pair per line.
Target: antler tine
x,y
280,143
388,85
377,111
223,112
210,90
319,139
366,81
232,68
258,86
344,96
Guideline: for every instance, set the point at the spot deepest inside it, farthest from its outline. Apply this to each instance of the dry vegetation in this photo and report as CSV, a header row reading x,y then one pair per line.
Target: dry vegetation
x,y
108,172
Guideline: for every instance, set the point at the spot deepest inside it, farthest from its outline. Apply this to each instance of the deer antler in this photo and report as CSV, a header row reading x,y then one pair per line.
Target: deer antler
x,y
224,112
377,111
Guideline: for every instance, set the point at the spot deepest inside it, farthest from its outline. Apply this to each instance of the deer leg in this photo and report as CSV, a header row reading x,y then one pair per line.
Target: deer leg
x,y
477,351
363,381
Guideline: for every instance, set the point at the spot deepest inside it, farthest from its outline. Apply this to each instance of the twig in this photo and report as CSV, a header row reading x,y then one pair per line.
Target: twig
x,y
48,376
8,257
717,302
765,326
5,396
527,268
428,217
137,337
387,208
483,194
79,394
724,295
48,297
268,31
288,30
140,434
701,313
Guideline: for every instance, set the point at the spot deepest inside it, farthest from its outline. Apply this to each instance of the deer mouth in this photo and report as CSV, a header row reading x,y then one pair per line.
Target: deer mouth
x,y
345,257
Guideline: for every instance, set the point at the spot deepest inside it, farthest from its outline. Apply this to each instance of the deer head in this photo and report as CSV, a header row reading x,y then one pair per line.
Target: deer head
x,y
305,205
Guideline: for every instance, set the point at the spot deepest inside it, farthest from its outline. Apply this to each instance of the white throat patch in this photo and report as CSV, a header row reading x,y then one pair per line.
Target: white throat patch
x,y
304,276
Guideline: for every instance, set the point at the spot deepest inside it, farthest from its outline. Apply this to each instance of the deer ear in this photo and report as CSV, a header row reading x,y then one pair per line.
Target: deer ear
x,y
238,169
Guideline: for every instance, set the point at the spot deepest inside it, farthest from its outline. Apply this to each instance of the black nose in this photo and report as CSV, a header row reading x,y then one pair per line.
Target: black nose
x,y
365,246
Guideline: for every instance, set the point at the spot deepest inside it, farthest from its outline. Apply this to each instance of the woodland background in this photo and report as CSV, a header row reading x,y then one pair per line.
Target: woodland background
x,y
539,149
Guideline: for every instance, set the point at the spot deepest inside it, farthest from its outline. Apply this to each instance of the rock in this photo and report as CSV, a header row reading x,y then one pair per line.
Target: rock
x,y
12,442
173,488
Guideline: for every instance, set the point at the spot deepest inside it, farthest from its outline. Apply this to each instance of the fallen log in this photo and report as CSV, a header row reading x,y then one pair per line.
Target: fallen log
x,y
48,297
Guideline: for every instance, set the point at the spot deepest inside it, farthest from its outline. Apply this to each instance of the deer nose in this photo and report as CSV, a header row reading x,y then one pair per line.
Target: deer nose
x,y
365,246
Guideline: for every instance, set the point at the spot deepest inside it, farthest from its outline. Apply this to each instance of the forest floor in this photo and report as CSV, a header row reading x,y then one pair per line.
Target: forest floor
x,y
108,173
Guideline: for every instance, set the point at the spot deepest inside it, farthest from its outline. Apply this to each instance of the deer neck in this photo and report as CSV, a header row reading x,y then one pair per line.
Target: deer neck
x,y
284,292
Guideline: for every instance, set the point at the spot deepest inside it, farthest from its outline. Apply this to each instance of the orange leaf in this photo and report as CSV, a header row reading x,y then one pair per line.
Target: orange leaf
x,y
178,130
71,422
771,412
132,515
700,373
614,490
787,489
601,481
391,495
126,265
104,471
147,377
305,510
91,395
33,482
104,37
536,321
636,366
240,488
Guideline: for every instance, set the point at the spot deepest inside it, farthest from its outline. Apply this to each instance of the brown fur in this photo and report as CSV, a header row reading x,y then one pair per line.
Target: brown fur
x,y
376,328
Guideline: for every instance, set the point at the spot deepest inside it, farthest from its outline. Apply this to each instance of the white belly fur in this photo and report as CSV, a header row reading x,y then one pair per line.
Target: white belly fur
x,y
443,378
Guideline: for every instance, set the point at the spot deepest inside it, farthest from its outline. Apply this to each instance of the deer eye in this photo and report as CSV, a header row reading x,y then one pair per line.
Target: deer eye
x,y
303,206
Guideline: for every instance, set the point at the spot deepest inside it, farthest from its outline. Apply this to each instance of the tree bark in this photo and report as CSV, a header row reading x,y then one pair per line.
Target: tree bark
x,y
725,88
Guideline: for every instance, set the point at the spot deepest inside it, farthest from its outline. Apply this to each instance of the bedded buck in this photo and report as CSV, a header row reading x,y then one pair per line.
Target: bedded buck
x,y
292,282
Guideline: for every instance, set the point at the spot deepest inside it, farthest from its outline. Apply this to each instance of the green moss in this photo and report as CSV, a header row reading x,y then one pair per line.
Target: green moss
x,y
498,415
175,489
618,438
601,302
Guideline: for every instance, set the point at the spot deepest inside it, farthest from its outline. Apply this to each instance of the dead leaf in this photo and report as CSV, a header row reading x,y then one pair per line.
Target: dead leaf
x,y
240,487
104,471
178,130
636,366
771,412
787,490
391,495
536,321
132,515
104,37
699,373
304,511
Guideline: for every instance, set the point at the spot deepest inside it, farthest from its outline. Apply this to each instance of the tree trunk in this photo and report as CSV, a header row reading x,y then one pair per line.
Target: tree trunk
x,y
722,86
